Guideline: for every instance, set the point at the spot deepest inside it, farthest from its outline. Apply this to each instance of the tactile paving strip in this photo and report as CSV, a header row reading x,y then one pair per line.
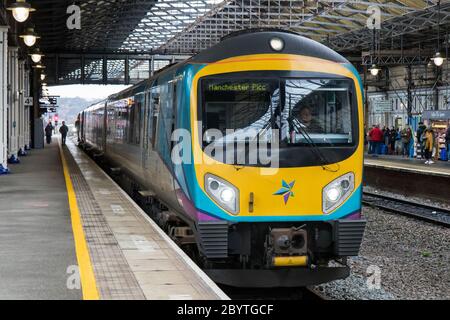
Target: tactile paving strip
x,y
114,277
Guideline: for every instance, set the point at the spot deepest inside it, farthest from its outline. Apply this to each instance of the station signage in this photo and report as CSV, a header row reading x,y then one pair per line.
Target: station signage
x,y
53,101
436,114
381,106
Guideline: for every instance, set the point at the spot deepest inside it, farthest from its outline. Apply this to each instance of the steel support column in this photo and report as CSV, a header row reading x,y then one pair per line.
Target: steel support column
x,y
3,99
21,108
409,94
37,129
26,93
13,105
366,101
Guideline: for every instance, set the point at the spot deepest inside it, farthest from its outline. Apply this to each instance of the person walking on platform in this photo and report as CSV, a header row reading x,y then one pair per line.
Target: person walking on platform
x,y
63,130
428,141
406,140
49,132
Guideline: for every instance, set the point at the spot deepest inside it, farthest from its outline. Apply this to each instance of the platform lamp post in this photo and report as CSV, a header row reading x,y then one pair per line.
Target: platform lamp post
x,y
20,10
38,128
438,58
36,55
29,36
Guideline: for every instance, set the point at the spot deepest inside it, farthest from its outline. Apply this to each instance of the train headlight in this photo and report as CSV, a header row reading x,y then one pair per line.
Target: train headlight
x,y
223,192
277,44
337,191
333,194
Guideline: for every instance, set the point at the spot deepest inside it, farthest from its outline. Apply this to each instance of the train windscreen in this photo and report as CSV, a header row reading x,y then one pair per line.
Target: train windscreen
x,y
297,112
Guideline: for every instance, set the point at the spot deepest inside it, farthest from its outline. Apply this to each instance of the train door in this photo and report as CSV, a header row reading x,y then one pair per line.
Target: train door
x,y
144,129
105,127
150,126
155,108
82,121
174,112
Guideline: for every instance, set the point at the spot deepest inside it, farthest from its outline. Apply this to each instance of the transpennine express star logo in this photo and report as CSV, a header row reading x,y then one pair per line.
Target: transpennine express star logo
x,y
285,191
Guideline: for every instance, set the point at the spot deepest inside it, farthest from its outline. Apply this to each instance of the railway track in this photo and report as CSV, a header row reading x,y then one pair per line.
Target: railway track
x,y
420,211
299,293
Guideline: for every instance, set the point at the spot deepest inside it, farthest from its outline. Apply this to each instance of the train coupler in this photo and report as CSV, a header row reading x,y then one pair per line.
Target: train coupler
x,y
287,247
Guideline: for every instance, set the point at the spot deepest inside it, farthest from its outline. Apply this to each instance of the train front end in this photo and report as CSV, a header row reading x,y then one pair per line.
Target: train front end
x,y
276,179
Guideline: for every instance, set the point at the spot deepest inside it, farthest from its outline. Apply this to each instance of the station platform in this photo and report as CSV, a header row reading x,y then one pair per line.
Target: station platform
x,y
409,177
68,231
438,168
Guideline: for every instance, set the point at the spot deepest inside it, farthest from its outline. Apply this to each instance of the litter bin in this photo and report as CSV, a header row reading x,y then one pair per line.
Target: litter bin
x,y
444,155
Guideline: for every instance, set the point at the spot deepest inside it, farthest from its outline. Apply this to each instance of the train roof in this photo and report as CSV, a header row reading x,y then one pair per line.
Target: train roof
x,y
246,42
257,41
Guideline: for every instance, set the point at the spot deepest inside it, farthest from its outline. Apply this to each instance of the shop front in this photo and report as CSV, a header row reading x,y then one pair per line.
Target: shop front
x,y
439,120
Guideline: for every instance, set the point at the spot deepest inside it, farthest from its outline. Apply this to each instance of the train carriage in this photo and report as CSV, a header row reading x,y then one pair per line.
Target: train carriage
x,y
252,152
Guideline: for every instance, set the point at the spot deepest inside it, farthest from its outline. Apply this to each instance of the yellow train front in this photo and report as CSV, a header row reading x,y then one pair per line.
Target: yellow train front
x,y
277,152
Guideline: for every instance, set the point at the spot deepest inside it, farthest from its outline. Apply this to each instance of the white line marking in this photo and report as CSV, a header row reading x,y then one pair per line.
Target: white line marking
x,y
117,209
180,297
142,244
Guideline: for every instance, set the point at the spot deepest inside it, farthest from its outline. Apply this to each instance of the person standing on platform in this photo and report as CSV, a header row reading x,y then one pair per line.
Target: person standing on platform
x,y
63,130
376,136
77,127
370,140
406,139
419,134
387,134
392,138
447,142
49,132
428,141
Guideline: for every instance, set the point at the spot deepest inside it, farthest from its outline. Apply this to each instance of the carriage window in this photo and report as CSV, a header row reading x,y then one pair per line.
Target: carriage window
x,y
121,116
135,118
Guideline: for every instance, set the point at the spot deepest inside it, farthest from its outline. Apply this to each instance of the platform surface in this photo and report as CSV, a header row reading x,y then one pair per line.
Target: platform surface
x,y
440,168
37,253
129,256
132,257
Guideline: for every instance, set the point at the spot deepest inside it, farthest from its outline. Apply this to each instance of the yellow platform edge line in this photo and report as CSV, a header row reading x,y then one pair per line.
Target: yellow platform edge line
x,y
88,283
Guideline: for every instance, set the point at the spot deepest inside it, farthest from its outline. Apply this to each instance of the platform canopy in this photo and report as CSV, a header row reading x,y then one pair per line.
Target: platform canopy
x,y
123,41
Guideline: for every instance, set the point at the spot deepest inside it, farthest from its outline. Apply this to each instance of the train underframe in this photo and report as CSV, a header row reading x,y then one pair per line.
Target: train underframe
x,y
287,254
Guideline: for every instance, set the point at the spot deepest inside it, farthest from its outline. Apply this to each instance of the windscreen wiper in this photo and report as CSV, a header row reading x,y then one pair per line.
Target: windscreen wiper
x,y
314,148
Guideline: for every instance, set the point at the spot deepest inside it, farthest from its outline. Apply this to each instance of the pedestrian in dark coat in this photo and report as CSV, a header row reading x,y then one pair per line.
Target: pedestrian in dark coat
x,y
392,138
49,132
63,130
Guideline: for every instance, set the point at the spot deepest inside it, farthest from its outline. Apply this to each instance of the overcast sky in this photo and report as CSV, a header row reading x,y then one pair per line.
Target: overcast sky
x,y
88,92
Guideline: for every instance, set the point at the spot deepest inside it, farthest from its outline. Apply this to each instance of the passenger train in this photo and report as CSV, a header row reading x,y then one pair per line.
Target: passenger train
x,y
250,152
